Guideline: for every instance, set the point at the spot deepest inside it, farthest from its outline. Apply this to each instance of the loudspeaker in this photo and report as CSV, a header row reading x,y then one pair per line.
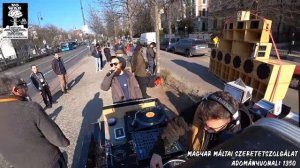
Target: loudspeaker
x,y
248,66
225,45
259,24
227,59
220,55
242,49
213,53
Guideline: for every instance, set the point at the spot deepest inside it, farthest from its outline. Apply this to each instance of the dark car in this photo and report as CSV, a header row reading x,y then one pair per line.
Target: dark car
x,y
191,47
169,43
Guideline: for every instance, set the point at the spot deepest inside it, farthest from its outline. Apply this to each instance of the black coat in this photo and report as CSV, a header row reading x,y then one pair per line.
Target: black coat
x,y
37,82
96,55
58,66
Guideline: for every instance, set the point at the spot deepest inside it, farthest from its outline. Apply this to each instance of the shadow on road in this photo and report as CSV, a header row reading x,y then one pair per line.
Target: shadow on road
x,y
55,113
201,71
75,81
91,113
181,101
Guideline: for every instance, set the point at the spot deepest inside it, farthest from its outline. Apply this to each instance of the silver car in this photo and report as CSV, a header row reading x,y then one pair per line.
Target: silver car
x,y
191,47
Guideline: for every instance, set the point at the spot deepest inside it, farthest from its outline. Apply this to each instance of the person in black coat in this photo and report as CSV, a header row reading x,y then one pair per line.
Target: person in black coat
x,y
151,58
107,54
59,69
98,57
40,83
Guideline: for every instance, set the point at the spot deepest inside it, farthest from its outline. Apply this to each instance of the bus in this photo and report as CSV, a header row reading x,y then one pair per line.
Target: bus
x,y
67,46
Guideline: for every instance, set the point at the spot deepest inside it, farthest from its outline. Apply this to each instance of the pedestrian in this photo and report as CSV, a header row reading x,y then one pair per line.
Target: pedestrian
x,y
122,82
292,43
59,69
107,54
151,58
29,138
98,57
139,68
216,41
206,124
119,48
40,83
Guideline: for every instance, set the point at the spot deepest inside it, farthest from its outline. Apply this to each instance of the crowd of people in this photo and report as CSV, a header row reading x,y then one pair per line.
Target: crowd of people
x,y
31,139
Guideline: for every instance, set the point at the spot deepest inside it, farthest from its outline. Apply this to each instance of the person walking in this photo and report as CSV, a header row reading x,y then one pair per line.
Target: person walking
x,y
29,138
98,57
138,67
59,69
107,54
38,80
122,83
151,58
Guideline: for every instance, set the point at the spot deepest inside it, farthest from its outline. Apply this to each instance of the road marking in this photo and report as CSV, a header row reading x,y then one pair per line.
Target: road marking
x,y
42,63
28,84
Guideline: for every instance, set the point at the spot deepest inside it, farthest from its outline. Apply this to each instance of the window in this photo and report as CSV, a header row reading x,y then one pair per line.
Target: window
x,y
203,12
204,1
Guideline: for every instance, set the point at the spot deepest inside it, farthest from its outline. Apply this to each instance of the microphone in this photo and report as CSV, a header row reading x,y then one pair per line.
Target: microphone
x,y
109,72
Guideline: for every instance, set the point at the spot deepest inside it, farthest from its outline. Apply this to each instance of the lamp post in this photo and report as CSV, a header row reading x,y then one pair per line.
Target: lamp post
x,y
185,31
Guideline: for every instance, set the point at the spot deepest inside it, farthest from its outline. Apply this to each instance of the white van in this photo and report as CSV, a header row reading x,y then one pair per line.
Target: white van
x,y
148,38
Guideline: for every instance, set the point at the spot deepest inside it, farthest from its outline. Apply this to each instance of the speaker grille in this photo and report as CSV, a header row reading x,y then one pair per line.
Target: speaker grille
x,y
263,71
220,56
213,53
237,62
227,58
248,66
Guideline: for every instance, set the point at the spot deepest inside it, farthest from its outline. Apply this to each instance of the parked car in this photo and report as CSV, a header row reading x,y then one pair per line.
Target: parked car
x,y
296,77
191,47
168,44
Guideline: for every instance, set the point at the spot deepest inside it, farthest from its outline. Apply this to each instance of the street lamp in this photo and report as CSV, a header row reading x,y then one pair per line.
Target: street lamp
x,y
185,30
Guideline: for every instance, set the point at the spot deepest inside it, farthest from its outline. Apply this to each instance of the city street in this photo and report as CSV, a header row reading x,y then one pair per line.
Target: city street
x,y
194,72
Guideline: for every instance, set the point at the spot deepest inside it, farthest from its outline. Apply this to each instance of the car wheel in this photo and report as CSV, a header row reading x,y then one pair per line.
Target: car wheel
x,y
295,82
188,53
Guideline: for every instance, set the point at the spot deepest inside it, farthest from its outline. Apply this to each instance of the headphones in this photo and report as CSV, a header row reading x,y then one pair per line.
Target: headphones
x,y
234,113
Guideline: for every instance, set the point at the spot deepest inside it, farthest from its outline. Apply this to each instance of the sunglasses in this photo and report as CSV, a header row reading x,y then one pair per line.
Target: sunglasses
x,y
114,64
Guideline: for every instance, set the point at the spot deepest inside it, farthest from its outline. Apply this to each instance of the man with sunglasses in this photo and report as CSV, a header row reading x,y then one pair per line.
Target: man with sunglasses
x,y
202,126
29,138
122,83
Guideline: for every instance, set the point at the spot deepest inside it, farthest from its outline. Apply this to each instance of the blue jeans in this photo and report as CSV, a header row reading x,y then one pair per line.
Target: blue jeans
x,y
98,64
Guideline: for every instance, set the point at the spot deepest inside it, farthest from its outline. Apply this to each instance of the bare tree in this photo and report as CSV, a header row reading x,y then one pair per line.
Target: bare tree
x,y
95,22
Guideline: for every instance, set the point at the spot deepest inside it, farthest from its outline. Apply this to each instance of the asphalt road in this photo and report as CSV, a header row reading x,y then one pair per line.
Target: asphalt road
x,y
70,58
194,73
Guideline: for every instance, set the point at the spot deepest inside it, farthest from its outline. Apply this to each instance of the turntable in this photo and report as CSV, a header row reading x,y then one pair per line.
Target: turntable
x,y
142,119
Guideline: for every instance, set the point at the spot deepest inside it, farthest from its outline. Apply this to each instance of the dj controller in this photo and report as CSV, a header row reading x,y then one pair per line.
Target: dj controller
x,y
143,129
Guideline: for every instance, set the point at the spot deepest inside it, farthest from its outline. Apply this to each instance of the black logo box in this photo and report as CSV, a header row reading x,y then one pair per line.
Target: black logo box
x,y
7,20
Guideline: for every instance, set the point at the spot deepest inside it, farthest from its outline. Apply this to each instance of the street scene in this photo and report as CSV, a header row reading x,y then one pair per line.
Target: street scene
x,y
150,83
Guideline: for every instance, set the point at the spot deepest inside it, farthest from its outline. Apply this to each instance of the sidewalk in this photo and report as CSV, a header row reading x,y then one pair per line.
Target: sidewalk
x,y
83,104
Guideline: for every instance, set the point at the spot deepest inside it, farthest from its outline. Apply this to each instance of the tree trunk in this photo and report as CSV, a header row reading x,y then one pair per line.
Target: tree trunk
x,y
156,11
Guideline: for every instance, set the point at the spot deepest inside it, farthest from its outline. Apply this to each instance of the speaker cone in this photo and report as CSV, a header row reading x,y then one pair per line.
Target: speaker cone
x,y
220,56
213,53
263,71
227,58
237,62
248,66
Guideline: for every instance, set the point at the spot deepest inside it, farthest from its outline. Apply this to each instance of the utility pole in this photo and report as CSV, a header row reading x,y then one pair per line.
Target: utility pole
x,y
82,12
